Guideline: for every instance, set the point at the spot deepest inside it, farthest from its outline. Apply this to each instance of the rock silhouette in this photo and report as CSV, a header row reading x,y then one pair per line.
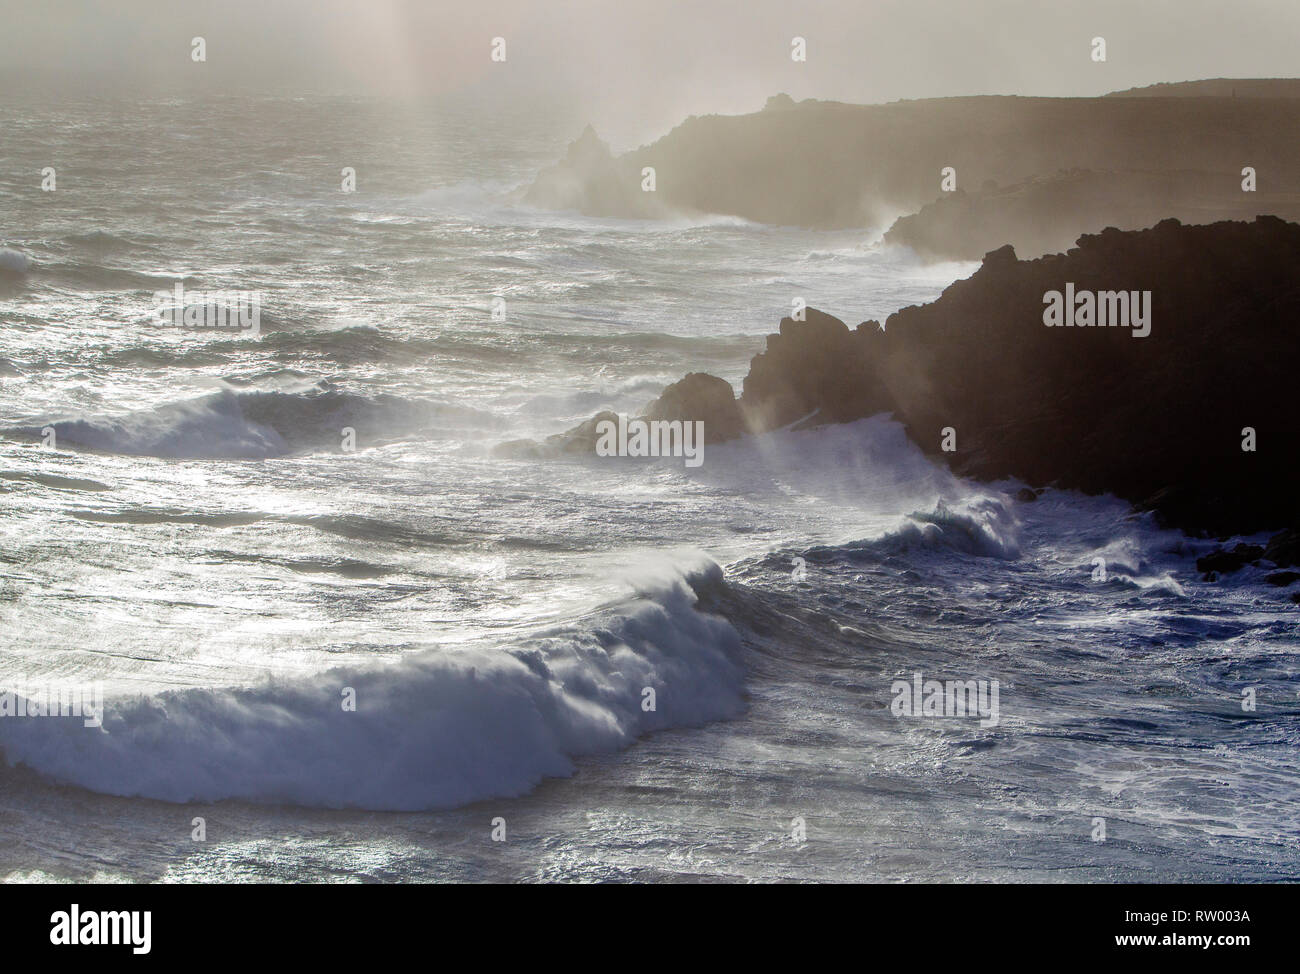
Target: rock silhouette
x,y
833,165
1045,214
1159,420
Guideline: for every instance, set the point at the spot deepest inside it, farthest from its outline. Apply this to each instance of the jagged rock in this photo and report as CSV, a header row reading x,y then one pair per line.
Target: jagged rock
x,y
582,438
704,397
590,180
1283,548
834,165
1282,578
1044,214
811,366
1157,420
1225,562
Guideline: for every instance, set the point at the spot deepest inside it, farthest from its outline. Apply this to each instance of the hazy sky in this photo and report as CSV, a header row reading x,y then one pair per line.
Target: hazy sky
x,y
658,58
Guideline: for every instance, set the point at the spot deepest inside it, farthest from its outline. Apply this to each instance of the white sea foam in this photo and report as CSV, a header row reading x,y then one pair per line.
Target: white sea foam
x,y
437,729
13,261
251,425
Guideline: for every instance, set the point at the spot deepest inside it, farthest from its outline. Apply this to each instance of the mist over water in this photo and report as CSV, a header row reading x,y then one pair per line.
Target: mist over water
x,y
201,541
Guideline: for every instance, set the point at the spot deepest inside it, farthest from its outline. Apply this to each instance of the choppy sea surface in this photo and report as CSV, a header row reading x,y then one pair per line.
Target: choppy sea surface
x,y
182,523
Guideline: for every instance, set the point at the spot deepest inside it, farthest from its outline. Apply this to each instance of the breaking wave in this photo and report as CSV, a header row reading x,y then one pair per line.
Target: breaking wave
x,y
436,730
258,425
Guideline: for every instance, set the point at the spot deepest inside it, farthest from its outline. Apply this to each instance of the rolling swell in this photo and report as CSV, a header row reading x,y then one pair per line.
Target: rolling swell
x,y
13,262
256,425
436,730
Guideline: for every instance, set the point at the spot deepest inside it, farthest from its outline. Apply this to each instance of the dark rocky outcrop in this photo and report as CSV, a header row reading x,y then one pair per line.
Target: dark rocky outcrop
x,y
1157,420
1224,561
812,366
697,397
833,165
1284,548
701,396
1045,214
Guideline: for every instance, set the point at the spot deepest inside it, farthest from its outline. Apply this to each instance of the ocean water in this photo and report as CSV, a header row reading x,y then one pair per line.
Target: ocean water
x,y
199,541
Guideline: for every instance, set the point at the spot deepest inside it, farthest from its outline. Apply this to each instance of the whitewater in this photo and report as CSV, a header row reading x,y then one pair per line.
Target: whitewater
x,y
645,670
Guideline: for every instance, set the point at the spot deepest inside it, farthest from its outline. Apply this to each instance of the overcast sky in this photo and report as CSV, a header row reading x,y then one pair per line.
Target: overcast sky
x,y
661,58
